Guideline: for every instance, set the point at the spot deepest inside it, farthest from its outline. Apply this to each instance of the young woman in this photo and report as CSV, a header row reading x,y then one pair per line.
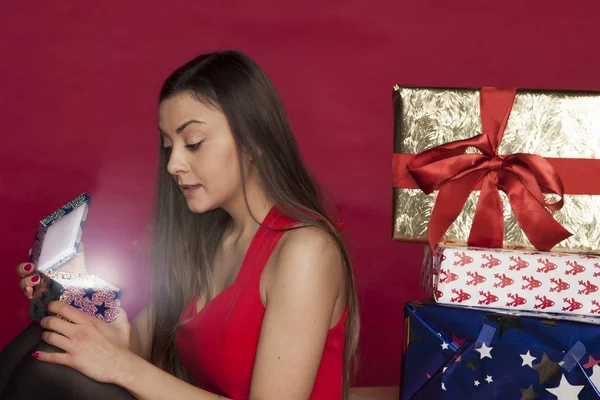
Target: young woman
x,y
253,291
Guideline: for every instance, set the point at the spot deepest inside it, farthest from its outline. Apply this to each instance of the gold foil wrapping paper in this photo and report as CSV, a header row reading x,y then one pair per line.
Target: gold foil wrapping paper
x,y
550,124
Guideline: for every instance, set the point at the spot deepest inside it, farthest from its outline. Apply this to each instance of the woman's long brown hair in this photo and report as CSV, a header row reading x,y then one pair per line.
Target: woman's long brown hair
x,y
185,243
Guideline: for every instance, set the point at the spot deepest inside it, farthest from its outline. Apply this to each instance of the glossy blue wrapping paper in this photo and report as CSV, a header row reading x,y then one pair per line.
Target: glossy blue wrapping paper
x,y
462,353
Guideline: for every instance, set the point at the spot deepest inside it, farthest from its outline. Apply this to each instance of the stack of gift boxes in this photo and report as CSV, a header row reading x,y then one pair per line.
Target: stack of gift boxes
x,y
503,186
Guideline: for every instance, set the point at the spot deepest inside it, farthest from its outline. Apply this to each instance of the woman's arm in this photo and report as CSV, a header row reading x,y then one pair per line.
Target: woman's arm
x,y
140,335
147,382
305,296
303,292
89,350
302,288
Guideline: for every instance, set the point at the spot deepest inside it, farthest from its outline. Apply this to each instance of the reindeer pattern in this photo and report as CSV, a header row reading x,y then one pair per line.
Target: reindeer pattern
x,y
542,281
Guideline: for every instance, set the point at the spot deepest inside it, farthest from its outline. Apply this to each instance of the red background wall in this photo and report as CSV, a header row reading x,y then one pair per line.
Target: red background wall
x,y
78,98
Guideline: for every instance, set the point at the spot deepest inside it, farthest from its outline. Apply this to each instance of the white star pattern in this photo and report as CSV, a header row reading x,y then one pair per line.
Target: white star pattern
x,y
444,370
489,379
484,351
528,359
476,383
444,346
566,391
443,386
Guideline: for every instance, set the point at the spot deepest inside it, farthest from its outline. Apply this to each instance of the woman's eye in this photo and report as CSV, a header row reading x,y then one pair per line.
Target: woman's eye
x,y
194,146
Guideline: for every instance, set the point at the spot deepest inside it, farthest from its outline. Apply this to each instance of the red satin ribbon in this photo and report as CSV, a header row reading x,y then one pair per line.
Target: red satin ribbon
x,y
523,177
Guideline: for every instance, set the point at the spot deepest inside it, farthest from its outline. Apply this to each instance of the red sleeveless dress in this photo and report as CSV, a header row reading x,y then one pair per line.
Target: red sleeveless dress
x,y
218,345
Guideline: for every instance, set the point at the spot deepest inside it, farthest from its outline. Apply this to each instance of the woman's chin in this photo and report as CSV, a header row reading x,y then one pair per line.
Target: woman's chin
x,y
197,207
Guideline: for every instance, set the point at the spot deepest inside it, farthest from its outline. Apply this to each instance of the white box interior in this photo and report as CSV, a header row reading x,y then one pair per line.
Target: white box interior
x,y
61,238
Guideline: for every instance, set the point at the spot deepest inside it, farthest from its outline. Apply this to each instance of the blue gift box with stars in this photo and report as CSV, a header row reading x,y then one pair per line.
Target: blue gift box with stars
x,y
463,353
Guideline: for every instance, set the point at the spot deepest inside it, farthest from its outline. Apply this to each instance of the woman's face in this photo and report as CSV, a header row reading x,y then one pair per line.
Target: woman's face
x,y
203,157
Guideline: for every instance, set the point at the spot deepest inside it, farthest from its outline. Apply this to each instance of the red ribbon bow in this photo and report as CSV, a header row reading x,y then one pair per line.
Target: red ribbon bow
x,y
523,177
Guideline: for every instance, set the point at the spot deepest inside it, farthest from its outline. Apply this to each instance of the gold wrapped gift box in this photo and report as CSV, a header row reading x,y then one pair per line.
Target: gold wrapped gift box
x,y
554,125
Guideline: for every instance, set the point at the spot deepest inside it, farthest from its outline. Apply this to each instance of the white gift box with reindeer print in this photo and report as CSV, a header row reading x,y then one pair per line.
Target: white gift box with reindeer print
x,y
537,281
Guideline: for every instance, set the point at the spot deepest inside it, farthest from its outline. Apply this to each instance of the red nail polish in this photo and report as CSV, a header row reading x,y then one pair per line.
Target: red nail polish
x,y
35,278
28,267
35,354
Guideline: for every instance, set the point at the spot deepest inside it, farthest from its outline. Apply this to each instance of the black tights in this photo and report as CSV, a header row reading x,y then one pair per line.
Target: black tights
x,y
23,377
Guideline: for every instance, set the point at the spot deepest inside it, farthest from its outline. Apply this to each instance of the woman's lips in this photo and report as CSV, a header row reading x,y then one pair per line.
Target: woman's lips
x,y
188,190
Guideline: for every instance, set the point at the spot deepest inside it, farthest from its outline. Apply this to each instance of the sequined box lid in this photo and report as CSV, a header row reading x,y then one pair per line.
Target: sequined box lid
x,y
556,124
59,235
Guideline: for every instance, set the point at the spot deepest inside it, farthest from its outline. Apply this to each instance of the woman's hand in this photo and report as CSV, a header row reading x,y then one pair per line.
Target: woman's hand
x,y
92,347
29,279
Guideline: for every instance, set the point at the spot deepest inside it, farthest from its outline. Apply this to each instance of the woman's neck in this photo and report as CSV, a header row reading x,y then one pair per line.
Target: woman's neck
x,y
245,211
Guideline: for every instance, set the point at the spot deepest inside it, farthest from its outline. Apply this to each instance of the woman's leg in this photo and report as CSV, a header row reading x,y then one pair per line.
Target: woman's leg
x,y
16,350
24,377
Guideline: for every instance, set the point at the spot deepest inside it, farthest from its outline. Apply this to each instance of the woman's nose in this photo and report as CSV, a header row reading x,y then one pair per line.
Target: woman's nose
x,y
176,164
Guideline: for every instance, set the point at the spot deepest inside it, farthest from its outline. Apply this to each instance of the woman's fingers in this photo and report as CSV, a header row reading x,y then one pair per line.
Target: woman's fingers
x,y
56,324
25,269
28,283
28,292
57,340
54,358
75,315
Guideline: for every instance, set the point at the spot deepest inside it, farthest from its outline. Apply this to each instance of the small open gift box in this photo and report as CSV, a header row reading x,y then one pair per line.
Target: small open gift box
x,y
56,243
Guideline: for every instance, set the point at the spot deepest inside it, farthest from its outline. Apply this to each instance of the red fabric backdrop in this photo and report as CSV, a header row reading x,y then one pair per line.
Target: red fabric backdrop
x,y
79,84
